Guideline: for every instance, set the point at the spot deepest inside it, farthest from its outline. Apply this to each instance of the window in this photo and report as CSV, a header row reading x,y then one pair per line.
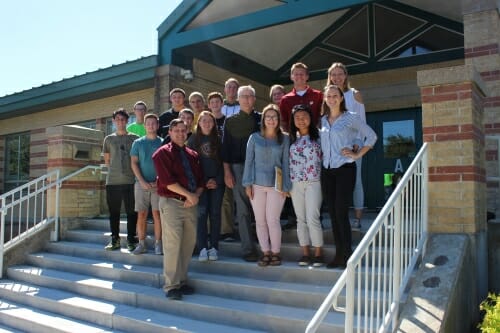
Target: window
x,y
89,124
17,160
110,126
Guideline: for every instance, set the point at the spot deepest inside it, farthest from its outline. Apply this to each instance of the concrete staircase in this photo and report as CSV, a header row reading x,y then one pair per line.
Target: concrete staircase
x,y
76,286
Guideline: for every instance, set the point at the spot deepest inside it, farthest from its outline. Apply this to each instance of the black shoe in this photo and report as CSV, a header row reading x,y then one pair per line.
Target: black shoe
x,y
251,257
227,238
186,290
336,264
174,294
318,261
304,261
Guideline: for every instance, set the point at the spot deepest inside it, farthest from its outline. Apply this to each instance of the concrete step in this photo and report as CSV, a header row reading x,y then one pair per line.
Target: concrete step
x,y
218,283
32,319
110,316
215,309
234,266
288,236
289,251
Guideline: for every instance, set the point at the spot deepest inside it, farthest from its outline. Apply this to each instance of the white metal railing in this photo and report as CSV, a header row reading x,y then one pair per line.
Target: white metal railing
x,y
27,208
380,268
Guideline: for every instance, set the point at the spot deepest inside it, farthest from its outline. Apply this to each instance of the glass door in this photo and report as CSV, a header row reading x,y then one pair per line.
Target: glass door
x,y
399,139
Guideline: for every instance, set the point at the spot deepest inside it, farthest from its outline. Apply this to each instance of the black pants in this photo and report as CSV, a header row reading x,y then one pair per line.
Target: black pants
x,y
338,186
115,194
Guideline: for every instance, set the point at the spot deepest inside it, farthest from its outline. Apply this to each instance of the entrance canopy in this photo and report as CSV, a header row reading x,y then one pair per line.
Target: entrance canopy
x,y
261,39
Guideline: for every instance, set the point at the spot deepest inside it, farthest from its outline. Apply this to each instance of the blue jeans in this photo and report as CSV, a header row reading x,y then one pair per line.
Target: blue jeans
x,y
209,205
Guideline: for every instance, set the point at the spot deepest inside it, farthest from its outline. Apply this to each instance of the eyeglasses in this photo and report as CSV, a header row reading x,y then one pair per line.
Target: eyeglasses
x,y
271,117
246,96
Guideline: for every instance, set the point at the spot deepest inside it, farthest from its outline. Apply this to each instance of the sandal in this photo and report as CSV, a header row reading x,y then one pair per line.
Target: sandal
x,y
275,260
264,260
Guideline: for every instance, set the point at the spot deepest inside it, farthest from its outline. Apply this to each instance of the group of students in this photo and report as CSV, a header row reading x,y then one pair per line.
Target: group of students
x,y
233,156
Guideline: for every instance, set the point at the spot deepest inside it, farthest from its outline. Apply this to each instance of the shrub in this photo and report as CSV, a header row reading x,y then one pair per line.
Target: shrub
x,y
491,309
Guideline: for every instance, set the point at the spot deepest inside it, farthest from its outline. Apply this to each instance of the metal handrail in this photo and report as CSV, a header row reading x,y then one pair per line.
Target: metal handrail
x,y
18,202
385,258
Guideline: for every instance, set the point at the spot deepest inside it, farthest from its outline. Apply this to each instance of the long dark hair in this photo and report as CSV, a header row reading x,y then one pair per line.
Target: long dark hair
x,y
325,109
213,136
313,130
275,108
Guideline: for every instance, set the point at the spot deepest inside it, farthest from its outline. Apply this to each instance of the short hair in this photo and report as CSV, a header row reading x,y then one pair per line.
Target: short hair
x,y
274,87
196,94
249,87
232,79
122,112
174,123
141,103
188,111
215,94
150,115
299,65
177,90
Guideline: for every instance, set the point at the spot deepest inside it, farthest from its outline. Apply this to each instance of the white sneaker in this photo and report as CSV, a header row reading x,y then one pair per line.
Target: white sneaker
x,y
158,247
140,249
203,255
212,254
356,225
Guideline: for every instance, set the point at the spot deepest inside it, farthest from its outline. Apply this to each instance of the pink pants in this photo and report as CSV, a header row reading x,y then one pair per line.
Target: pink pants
x,y
267,204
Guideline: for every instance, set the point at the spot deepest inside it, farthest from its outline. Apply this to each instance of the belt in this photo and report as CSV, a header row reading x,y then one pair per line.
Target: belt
x,y
178,197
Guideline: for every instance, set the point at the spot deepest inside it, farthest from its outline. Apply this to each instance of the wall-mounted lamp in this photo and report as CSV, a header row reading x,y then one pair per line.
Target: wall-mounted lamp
x,y
187,74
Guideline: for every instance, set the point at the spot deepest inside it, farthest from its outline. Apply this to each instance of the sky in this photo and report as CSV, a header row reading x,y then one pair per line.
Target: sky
x,y
47,41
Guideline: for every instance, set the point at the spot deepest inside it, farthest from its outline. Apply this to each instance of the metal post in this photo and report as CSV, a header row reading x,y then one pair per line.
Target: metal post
x,y
56,212
396,277
2,234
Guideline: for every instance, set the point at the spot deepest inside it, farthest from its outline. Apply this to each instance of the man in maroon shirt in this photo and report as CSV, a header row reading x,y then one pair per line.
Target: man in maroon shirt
x,y
180,184
300,94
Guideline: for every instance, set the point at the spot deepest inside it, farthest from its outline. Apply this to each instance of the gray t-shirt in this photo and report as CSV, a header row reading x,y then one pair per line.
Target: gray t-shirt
x,y
119,170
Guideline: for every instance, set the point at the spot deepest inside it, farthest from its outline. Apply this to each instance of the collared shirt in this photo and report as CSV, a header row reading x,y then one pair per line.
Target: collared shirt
x,y
305,160
262,156
343,133
312,97
230,109
167,162
237,130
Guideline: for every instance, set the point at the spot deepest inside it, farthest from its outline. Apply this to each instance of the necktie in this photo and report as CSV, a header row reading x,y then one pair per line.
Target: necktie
x,y
189,171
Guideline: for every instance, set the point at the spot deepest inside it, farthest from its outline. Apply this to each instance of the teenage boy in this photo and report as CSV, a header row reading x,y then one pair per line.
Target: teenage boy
x,y
177,99
180,184
237,130
145,185
137,127
120,180
300,94
215,102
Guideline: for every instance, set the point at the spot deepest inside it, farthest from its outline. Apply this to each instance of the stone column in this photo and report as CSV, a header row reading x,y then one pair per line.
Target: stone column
x,y
452,123
71,148
481,42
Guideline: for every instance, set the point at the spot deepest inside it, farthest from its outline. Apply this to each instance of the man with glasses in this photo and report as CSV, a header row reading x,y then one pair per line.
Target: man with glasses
x,y
237,130
137,127
120,180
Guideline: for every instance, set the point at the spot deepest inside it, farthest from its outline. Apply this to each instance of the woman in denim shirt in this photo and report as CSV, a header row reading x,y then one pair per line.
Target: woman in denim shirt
x,y
265,151
340,132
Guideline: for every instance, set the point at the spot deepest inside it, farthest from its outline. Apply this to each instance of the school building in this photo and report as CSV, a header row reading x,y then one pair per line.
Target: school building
x,y
428,71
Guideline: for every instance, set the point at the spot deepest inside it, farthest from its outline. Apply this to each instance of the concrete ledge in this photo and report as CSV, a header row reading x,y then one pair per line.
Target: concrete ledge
x,y
451,75
443,294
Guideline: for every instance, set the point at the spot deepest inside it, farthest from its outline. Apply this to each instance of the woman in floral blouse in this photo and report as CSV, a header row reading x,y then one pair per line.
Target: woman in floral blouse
x,y
305,170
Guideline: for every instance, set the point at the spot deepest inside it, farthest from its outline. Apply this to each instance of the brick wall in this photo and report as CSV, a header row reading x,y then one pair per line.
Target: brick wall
x,y
452,121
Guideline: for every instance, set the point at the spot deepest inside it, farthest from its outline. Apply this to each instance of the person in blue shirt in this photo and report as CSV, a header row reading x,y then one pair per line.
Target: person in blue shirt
x,y
267,150
145,186
340,132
